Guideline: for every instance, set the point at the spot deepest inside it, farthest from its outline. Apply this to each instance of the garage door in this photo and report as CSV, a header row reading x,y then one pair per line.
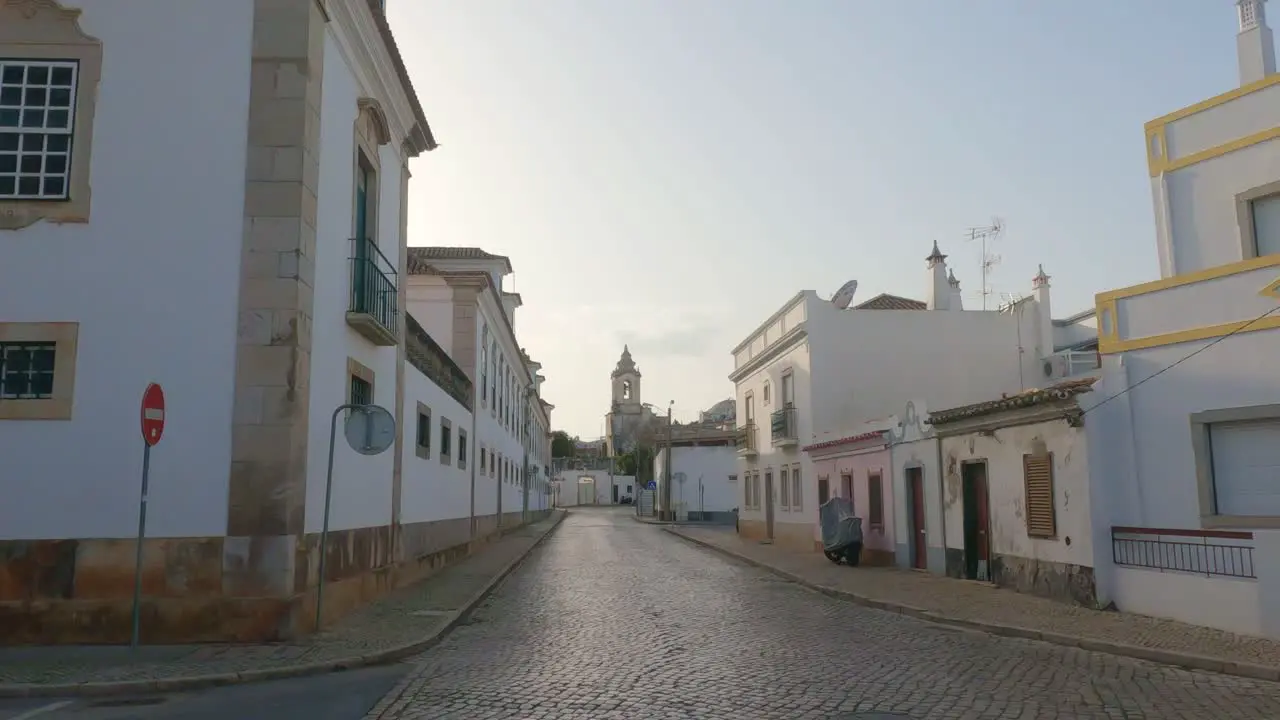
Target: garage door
x,y
1246,467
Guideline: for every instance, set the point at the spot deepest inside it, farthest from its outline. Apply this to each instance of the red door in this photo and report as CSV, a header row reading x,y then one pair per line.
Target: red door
x,y
920,554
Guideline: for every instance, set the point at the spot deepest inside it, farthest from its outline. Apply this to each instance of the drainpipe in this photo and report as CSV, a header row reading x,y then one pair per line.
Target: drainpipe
x,y
473,437
942,504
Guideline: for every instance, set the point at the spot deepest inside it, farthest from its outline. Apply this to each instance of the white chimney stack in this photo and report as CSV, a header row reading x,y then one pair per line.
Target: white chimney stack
x,y
1254,46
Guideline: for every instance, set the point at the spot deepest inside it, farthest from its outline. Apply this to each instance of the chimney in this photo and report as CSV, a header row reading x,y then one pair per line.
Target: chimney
x,y
956,302
939,288
1044,313
1254,47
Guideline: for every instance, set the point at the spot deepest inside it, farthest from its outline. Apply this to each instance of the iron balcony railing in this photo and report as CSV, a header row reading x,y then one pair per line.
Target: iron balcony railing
x,y
745,440
373,284
783,424
1221,553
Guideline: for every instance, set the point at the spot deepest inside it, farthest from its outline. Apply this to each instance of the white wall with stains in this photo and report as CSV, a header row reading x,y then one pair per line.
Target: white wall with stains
x,y
1002,450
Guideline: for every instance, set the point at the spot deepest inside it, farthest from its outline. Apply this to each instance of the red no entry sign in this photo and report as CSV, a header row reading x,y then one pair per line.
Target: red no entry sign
x,y
152,414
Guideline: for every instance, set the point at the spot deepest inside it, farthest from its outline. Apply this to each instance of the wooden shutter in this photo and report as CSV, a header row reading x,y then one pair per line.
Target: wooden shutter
x,y
1037,474
875,497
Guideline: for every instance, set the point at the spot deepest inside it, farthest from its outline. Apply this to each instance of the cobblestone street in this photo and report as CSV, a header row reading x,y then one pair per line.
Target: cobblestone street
x,y
611,618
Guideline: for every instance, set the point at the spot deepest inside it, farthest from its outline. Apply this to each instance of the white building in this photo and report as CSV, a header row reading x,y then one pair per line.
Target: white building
x,y
705,486
813,373
457,294
248,249
1194,451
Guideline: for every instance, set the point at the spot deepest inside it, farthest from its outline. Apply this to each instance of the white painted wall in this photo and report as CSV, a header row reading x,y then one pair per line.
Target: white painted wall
x,y
1003,451
1196,225
167,209
361,485
922,453
430,490
708,468
797,360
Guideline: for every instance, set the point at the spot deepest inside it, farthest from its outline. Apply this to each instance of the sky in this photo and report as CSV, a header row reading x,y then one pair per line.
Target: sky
x,y
667,173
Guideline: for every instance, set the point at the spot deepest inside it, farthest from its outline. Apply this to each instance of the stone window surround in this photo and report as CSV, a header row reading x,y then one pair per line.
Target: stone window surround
x,y
1201,449
797,499
1244,216
764,394
446,449
65,336
371,131
423,451
357,369
45,30
784,487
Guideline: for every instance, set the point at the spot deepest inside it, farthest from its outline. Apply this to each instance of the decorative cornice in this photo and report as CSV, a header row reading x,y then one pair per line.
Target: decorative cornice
x,y
791,339
435,364
379,116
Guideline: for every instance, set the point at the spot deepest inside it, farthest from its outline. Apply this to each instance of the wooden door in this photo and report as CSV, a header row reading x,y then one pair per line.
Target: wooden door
x,y
915,494
984,521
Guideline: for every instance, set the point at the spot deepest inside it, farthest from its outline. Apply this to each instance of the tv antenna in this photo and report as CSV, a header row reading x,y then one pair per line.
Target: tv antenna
x,y
983,234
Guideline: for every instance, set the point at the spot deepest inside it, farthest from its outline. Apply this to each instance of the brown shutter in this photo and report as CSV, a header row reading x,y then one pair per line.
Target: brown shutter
x,y
875,494
1037,473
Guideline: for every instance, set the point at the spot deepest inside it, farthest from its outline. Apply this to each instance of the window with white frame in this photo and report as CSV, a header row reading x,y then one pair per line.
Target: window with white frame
x,y
784,487
797,489
1266,225
37,107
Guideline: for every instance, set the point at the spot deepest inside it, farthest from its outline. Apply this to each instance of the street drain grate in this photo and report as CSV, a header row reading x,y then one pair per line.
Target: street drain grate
x,y
128,702
430,613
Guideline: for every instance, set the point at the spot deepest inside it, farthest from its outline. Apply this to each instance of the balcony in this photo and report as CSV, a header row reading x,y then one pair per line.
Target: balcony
x,y
782,425
745,440
373,311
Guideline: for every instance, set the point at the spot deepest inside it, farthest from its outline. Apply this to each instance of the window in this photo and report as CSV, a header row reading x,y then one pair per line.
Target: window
x,y
446,441
875,500
361,391
784,485
750,411
493,377
747,495
765,393
484,366
423,449
1265,213
846,486
37,106
824,490
788,389
626,389
755,489
26,370
1037,476
797,490
462,448
37,370
493,462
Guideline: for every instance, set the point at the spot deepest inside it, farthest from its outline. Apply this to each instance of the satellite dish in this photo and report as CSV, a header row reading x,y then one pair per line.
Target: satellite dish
x,y
844,295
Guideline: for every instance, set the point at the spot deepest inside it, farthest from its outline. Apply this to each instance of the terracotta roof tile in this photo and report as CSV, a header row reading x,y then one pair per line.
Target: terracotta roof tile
x,y
419,258
885,301
1029,398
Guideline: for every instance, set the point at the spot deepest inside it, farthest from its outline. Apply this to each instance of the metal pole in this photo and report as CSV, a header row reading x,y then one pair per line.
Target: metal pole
x,y
666,487
328,496
142,533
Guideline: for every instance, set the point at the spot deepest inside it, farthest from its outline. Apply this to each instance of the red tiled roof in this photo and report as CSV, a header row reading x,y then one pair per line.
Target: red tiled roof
x,y
844,441
885,301
1039,396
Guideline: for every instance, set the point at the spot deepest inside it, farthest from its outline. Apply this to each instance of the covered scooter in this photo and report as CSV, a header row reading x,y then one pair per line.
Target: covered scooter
x,y
841,531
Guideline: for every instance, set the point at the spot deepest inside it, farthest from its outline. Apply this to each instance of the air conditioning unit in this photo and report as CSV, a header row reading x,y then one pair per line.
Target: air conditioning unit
x,y
1055,366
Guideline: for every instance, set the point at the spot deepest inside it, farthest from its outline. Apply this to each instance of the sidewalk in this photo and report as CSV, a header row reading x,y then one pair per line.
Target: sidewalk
x,y
1005,612
405,622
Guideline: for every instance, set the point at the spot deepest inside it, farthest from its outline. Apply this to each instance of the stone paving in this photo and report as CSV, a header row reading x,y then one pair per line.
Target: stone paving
x,y
404,616
981,602
613,619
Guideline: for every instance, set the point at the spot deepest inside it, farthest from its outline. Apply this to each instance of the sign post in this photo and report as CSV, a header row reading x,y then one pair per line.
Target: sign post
x,y
152,430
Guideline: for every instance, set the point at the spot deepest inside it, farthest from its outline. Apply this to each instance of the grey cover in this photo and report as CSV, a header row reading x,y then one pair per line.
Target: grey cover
x,y
840,527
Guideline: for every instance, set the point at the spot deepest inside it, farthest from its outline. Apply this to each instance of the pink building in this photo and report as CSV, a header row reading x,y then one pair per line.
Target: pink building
x,y
858,467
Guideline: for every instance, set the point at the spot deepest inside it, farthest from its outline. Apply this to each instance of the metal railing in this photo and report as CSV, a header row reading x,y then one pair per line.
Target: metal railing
x,y
745,439
782,424
373,284
1210,553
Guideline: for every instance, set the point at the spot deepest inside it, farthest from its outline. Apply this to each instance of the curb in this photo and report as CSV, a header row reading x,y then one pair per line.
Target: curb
x,y
194,682
1174,658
